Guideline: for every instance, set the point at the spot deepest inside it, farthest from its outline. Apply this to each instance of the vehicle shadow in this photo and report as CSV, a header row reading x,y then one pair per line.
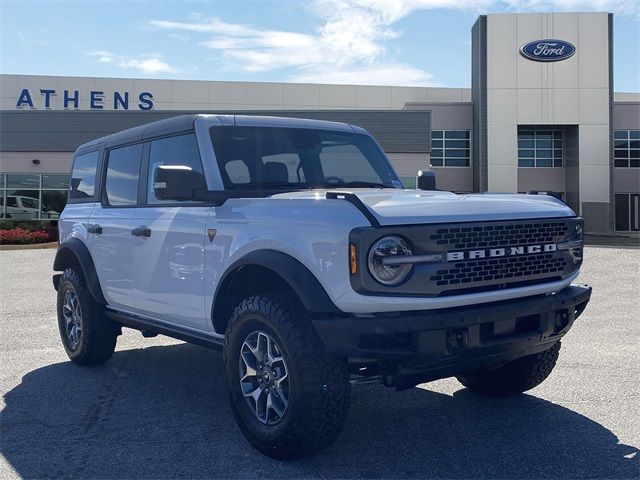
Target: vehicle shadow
x,y
162,412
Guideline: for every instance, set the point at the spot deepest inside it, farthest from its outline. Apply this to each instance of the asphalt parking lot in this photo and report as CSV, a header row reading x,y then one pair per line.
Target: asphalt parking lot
x,y
159,408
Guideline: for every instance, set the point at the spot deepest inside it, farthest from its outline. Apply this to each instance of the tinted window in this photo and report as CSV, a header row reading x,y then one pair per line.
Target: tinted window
x,y
348,163
123,170
55,181
264,158
83,176
238,172
23,204
23,181
173,151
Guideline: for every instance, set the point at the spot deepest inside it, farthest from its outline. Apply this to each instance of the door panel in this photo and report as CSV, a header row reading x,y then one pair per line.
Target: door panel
x,y
622,212
111,253
169,265
110,224
634,200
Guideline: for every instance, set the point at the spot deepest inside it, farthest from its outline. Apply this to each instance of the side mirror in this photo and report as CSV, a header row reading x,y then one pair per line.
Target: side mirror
x,y
177,182
426,180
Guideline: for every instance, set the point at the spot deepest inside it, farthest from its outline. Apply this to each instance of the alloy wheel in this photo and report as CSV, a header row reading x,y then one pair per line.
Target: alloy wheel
x,y
72,314
264,378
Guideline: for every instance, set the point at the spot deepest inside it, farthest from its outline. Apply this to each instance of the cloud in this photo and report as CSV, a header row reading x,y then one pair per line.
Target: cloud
x,y
349,42
377,74
347,46
27,38
148,64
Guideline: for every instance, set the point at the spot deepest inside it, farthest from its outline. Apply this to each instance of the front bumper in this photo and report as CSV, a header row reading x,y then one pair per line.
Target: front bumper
x,y
439,343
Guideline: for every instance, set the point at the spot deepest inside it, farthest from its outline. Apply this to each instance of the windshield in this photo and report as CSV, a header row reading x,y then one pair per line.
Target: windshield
x,y
299,158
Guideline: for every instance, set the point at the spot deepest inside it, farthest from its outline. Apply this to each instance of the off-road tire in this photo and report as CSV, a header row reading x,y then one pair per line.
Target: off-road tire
x,y
515,377
98,334
319,389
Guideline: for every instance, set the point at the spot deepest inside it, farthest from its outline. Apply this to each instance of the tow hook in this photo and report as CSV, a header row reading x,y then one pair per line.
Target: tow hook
x,y
562,321
457,339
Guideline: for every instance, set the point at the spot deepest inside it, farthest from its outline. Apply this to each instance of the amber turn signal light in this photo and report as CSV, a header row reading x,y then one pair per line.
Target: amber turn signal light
x,y
353,266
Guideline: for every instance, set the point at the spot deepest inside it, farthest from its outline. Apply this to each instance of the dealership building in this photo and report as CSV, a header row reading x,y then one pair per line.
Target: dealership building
x,y
540,116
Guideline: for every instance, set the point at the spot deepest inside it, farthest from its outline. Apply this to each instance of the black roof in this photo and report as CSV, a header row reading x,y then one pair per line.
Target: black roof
x,y
181,123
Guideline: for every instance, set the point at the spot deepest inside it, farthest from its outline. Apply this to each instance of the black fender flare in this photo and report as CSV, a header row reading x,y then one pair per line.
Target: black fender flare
x,y
295,274
73,252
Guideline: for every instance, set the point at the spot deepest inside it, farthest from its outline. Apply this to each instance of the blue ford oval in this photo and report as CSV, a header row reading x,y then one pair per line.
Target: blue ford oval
x,y
549,50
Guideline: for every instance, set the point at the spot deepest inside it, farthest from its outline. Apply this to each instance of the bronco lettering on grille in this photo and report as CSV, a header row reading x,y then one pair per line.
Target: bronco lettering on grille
x,y
500,252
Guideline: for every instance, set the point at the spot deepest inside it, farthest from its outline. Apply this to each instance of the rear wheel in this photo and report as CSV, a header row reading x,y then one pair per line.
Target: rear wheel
x,y
514,377
88,336
289,397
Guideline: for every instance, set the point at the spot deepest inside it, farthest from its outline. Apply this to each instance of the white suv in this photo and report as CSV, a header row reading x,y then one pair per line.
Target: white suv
x,y
292,245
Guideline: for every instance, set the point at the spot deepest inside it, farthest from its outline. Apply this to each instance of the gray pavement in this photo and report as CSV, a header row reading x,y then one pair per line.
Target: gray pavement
x,y
159,408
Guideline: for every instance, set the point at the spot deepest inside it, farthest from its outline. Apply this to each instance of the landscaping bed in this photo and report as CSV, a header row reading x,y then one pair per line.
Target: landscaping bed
x,y
27,233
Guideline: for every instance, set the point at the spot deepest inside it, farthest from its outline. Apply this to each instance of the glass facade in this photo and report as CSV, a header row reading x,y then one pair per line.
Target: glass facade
x,y
32,196
450,148
540,147
626,148
627,212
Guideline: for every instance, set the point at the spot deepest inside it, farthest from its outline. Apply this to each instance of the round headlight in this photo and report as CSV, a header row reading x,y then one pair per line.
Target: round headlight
x,y
389,273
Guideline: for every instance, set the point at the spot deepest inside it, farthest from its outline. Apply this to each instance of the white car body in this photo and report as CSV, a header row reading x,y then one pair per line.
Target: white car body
x,y
173,275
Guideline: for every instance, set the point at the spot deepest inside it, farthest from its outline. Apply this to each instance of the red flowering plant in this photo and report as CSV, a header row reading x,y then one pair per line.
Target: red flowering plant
x,y
21,236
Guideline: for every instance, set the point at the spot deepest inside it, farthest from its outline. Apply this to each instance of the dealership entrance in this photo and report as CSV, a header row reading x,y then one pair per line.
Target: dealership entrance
x,y
627,214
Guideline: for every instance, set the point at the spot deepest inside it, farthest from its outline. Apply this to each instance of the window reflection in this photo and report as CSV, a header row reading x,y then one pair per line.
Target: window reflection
x,y
32,197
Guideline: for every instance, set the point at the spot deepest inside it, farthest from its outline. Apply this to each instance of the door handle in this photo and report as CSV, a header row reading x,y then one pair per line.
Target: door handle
x,y
95,229
141,231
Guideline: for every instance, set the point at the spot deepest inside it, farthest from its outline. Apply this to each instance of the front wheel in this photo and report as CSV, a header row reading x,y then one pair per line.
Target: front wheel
x,y
514,377
289,397
88,336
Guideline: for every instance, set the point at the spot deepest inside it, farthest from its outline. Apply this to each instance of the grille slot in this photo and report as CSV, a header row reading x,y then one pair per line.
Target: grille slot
x,y
508,269
500,235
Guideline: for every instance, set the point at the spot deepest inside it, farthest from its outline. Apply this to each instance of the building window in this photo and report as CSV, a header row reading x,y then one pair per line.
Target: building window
x,y
450,148
626,148
32,197
539,147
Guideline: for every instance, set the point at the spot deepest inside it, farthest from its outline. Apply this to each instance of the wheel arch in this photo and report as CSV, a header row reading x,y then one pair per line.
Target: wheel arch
x,y
262,271
74,254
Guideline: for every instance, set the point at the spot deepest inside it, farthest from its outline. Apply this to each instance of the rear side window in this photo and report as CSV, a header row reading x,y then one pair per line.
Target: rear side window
x,y
179,151
83,176
123,170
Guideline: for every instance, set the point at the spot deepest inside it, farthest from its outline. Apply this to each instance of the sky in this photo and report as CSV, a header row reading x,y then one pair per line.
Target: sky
x,y
378,42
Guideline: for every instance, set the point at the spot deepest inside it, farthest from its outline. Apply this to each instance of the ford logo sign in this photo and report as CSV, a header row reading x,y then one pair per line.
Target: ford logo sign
x,y
547,50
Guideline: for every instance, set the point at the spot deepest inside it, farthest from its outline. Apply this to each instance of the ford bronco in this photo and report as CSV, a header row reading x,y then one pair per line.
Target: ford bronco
x,y
293,247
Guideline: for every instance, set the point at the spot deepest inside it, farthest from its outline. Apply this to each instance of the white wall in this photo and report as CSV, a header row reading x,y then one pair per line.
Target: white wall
x,y
212,95
574,91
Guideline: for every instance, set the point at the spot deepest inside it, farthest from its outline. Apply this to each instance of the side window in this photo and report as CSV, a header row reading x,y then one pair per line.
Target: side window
x,y
180,151
83,176
123,170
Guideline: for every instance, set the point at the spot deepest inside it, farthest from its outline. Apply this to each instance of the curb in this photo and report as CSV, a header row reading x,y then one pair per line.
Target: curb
x,y
34,246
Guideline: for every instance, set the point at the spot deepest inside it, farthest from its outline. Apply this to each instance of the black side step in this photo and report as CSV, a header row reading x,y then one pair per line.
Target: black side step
x,y
150,327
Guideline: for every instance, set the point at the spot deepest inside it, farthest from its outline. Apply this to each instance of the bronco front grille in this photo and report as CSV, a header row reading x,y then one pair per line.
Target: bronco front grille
x,y
511,264
460,237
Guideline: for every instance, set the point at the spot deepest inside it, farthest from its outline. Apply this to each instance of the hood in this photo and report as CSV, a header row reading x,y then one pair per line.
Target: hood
x,y
405,207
